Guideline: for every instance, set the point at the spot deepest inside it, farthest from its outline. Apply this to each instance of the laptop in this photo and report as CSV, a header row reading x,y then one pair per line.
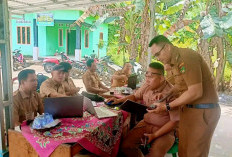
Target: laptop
x,y
132,81
99,112
64,107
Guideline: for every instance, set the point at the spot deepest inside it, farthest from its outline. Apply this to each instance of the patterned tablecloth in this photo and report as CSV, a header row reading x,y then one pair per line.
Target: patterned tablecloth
x,y
99,136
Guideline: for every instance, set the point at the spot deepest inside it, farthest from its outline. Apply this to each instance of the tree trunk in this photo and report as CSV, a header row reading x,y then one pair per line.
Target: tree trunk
x,y
219,70
152,29
144,35
220,53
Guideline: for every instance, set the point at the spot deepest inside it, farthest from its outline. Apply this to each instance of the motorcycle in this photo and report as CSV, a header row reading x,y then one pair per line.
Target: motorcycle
x,y
18,60
78,68
106,69
49,63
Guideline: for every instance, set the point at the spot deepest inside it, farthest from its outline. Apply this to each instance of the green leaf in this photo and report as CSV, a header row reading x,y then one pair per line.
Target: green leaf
x,y
139,5
173,9
208,27
226,21
229,57
128,39
111,19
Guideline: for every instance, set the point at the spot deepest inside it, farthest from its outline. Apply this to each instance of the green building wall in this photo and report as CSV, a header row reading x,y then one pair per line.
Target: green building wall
x,y
48,35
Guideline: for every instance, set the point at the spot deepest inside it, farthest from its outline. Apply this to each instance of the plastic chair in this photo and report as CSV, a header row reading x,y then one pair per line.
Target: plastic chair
x,y
174,148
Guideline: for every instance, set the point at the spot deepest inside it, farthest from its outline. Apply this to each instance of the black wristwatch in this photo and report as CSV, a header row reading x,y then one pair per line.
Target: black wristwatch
x,y
168,108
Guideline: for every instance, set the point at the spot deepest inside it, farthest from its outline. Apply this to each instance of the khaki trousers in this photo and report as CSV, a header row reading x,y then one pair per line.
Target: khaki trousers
x,y
159,147
196,128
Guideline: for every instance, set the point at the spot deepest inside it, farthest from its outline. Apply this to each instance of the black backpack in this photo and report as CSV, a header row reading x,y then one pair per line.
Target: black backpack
x,y
40,78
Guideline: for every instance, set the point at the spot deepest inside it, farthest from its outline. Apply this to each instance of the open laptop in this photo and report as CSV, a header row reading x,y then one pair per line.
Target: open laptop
x,y
132,81
99,112
64,107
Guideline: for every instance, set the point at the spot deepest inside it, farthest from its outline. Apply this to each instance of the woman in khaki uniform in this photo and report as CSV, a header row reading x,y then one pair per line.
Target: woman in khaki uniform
x,y
198,98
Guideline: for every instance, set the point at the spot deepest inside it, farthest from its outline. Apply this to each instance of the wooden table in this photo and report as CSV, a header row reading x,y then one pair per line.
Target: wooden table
x,y
20,147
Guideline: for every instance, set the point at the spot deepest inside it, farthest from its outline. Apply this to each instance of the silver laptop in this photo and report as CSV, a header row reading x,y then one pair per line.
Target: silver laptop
x,y
99,112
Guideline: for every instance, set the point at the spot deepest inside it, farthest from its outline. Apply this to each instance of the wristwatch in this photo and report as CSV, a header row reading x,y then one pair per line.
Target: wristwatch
x,y
168,108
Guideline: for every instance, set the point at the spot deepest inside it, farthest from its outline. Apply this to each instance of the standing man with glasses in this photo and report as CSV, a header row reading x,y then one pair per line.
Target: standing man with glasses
x,y
198,98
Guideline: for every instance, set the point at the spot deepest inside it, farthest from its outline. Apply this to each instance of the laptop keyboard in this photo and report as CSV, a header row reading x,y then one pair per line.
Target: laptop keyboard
x,y
104,112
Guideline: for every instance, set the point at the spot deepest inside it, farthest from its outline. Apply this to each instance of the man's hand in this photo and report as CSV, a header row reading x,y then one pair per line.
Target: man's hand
x,y
160,107
111,99
115,100
158,96
150,137
78,89
105,90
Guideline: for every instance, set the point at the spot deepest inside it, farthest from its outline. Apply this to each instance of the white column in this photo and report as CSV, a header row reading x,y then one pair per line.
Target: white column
x,y
35,53
77,55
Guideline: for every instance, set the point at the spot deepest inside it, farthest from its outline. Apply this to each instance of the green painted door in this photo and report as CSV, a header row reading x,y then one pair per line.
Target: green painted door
x,y
71,42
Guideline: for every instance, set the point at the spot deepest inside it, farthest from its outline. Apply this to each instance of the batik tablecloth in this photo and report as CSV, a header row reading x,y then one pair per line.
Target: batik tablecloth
x,y
99,136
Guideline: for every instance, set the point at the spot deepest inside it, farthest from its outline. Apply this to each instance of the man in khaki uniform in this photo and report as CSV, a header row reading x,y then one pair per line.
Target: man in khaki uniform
x,y
53,87
26,101
159,128
70,87
200,111
120,77
91,80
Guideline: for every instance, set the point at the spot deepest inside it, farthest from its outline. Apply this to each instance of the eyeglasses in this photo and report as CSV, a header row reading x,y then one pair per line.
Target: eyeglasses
x,y
158,53
150,74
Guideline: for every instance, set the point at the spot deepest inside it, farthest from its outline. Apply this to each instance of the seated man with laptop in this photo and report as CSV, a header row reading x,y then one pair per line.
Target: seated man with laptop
x,y
53,87
26,101
158,128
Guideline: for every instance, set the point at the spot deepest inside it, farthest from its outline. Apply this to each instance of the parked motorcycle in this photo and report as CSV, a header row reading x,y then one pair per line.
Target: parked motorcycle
x,y
79,68
18,60
49,63
106,69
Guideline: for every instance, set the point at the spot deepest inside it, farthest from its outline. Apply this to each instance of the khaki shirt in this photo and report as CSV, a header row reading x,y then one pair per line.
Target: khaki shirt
x,y
148,95
189,68
119,82
23,104
91,79
68,85
49,86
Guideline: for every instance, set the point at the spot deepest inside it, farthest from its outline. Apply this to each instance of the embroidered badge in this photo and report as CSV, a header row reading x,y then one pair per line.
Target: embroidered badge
x,y
182,68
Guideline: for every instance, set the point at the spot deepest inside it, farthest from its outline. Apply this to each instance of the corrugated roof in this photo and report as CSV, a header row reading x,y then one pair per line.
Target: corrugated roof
x,y
20,7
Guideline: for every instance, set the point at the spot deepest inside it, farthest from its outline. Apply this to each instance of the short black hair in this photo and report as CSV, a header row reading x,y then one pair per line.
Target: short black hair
x,y
158,66
23,75
159,39
89,62
67,66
